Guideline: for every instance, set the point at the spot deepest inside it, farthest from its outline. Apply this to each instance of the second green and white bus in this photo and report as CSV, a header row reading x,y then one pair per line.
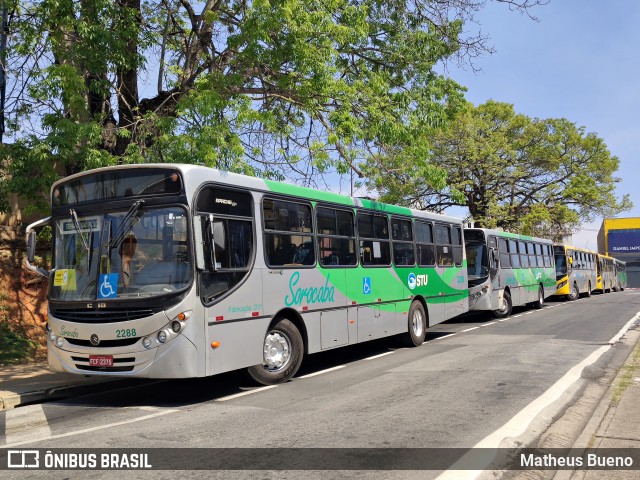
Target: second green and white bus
x,y
506,270
170,271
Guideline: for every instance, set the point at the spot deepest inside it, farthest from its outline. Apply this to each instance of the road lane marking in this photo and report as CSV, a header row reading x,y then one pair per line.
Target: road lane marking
x,y
378,356
440,338
469,329
246,392
26,424
89,430
323,371
487,324
519,424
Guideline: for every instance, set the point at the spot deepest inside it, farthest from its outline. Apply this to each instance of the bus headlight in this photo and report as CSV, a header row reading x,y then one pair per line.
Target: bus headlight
x,y
146,342
176,326
52,337
60,342
162,336
562,284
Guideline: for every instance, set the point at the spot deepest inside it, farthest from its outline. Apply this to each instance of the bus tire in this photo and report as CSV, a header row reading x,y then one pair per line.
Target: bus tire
x,y
283,350
575,293
538,304
416,326
506,310
588,292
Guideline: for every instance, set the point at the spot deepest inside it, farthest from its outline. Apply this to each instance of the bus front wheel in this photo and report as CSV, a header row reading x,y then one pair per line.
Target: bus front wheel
x,y
507,305
282,353
575,293
417,326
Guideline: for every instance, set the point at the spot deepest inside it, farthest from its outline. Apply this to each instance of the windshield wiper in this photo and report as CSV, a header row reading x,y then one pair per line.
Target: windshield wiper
x,y
127,222
85,241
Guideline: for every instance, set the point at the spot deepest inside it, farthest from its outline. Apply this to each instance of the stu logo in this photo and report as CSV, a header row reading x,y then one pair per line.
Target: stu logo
x,y
297,295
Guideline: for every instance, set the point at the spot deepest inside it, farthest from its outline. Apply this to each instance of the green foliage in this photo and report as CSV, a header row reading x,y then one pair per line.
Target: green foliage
x,y
540,177
285,88
14,347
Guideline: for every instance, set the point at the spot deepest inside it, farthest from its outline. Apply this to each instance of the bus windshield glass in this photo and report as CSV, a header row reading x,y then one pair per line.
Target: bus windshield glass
x,y
477,263
561,265
120,255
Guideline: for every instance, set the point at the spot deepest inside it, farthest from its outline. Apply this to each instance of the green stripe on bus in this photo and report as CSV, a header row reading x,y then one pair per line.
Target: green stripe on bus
x,y
308,193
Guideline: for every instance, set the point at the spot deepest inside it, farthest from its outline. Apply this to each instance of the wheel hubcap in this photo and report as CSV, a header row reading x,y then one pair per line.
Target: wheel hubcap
x,y
416,323
277,351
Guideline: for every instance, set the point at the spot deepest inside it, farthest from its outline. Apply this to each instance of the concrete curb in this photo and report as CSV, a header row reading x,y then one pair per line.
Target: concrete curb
x,y
10,400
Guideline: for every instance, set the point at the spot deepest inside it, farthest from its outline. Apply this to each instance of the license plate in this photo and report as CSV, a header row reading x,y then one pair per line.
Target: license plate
x,y
101,360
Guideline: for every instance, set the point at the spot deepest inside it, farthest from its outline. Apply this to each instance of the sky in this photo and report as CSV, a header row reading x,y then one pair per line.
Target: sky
x,y
579,61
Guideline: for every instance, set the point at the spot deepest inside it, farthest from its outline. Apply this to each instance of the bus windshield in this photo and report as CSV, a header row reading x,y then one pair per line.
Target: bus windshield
x,y
139,252
477,263
561,265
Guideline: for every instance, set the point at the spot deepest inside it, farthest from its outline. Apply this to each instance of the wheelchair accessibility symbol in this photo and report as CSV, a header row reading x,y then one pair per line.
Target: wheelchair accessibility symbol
x,y
366,285
108,285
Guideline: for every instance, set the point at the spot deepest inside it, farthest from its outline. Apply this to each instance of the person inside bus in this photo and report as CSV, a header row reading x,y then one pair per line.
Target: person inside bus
x,y
127,250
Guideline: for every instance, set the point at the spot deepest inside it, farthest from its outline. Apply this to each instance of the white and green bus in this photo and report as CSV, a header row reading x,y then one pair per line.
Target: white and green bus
x,y
507,270
620,275
169,271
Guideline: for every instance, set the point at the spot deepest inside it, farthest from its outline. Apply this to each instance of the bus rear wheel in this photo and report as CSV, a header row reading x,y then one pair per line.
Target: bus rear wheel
x,y
538,304
417,326
507,305
282,353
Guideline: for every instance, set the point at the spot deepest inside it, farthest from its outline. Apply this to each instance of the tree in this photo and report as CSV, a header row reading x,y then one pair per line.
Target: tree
x,y
272,88
540,177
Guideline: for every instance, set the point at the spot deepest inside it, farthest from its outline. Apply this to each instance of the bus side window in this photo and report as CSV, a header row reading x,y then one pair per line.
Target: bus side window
x,y
287,233
503,249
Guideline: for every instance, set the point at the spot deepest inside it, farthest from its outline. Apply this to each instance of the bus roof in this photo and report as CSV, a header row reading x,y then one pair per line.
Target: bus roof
x,y
196,175
514,236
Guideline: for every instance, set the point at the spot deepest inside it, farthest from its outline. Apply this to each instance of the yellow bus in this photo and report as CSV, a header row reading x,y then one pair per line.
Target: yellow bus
x,y
576,270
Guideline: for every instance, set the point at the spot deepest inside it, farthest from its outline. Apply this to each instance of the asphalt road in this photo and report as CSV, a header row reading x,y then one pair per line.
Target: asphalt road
x,y
473,382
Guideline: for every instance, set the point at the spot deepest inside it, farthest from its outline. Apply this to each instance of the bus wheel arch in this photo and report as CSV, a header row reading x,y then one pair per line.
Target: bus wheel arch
x,y
588,292
417,323
283,350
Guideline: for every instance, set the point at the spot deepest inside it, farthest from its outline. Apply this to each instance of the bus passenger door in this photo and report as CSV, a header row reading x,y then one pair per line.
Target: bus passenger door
x,y
494,272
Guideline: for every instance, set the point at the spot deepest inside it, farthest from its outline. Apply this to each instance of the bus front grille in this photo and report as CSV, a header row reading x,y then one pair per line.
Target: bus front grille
x,y
104,315
124,342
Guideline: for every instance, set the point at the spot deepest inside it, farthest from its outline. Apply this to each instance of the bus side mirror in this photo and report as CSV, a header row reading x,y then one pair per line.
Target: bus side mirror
x,y
198,228
493,259
31,246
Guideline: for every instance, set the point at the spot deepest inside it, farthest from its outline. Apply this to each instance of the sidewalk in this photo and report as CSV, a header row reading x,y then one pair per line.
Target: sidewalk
x,y
34,383
615,423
